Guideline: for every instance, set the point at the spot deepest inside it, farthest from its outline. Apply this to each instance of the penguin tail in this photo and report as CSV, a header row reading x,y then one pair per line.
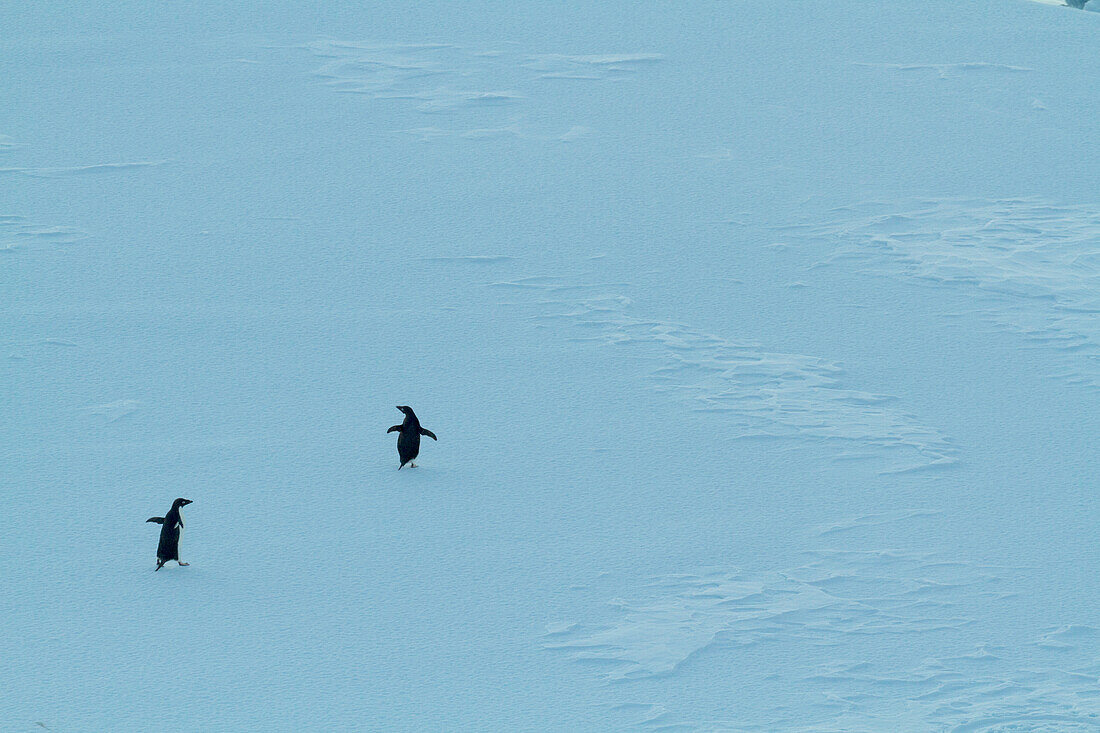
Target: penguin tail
x,y
160,564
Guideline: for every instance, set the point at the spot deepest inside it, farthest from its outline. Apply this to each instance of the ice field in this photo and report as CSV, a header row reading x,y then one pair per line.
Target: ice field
x,y
761,341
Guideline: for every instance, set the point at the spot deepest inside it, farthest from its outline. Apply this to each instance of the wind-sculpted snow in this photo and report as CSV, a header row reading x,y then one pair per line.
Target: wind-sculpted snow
x,y
657,500
614,66
836,595
16,234
19,350
946,71
375,70
989,689
1031,266
1051,685
76,170
112,411
445,78
872,520
759,392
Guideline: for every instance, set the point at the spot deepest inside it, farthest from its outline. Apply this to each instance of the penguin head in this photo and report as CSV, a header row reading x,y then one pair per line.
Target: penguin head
x,y
180,502
405,409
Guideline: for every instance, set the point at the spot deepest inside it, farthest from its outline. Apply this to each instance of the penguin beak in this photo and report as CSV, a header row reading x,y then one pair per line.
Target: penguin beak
x,y
187,501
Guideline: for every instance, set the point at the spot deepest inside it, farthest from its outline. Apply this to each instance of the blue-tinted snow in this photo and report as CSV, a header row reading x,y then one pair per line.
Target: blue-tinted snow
x,y
758,337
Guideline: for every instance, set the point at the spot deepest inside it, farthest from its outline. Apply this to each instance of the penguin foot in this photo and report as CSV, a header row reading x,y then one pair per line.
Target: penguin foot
x,y
412,465
184,564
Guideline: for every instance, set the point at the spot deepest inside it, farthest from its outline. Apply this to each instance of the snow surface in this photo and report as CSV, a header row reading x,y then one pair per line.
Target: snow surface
x,y
760,340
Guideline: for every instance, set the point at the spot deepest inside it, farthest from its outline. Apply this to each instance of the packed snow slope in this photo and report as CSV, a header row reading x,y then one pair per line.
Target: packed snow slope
x,y
761,340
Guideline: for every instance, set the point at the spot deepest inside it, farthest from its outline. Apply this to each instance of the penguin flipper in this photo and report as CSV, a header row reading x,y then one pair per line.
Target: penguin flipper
x,y
429,433
394,428
158,520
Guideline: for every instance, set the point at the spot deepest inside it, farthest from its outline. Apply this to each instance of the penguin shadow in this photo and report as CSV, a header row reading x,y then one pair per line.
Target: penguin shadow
x,y
190,571
387,473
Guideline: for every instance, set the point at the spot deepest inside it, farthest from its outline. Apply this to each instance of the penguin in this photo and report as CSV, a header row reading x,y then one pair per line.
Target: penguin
x,y
169,547
408,441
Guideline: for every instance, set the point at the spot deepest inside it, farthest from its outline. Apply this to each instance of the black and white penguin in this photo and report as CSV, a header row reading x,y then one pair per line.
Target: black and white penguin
x,y
408,441
170,532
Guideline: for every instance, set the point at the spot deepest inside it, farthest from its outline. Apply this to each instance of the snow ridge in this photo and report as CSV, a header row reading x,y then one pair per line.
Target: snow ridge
x,y
451,79
76,170
837,594
1050,685
16,233
984,690
1032,266
762,393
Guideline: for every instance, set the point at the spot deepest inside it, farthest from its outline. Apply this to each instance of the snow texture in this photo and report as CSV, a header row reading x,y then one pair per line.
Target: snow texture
x,y
760,341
